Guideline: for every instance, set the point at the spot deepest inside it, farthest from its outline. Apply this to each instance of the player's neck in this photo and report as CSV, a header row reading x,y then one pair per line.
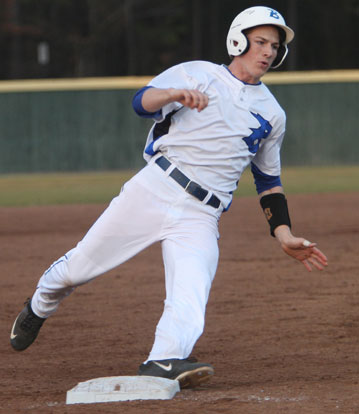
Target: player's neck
x,y
241,72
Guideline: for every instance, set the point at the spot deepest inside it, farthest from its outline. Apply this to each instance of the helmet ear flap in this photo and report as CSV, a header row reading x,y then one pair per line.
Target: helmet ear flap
x,y
239,45
246,48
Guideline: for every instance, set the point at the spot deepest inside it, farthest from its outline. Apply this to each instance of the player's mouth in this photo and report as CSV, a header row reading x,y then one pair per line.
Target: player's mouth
x,y
263,64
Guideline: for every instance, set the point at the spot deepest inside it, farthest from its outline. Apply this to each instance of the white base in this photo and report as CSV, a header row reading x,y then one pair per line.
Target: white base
x,y
110,389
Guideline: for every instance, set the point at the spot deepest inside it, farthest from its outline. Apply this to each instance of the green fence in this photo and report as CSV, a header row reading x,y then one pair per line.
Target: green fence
x,y
69,131
84,130
322,123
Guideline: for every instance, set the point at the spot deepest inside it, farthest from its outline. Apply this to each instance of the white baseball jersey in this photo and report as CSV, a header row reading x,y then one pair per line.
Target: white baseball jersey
x,y
243,123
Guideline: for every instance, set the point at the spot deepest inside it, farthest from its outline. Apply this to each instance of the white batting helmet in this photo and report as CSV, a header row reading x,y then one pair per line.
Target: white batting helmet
x,y
237,42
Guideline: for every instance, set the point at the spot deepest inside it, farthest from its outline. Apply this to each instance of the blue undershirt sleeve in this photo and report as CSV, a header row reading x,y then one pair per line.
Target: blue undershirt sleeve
x,y
264,181
139,109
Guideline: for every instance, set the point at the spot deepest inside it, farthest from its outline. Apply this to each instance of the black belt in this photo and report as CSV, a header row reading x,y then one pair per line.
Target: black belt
x,y
190,186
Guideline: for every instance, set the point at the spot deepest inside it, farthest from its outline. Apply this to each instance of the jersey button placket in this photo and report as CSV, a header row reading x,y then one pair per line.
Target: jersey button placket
x,y
243,91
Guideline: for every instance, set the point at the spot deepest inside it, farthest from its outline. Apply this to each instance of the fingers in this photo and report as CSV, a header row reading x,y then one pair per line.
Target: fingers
x,y
307,265
315,258
194,99
320,256
312,261
307,253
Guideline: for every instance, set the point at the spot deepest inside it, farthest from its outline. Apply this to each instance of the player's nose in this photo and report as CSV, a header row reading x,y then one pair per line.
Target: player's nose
x,y
268,50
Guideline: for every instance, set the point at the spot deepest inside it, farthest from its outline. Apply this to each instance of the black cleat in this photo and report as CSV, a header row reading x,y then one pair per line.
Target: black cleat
x,y
26,328
188,372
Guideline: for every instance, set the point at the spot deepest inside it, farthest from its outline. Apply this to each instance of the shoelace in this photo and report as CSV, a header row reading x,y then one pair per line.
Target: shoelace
x,y
31,322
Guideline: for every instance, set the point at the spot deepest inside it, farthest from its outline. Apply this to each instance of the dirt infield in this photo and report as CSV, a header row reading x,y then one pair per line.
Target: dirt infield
x,y
281,339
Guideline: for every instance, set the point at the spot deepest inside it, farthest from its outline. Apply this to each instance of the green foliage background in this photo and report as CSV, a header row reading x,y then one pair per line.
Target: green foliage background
x,y
143,37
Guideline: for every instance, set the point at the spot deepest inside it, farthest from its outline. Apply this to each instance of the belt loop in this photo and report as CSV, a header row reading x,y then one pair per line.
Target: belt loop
x,y
170,169
189,182
208,196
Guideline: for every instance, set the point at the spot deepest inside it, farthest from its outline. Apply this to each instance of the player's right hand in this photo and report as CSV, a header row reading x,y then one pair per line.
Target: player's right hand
x,y
191,98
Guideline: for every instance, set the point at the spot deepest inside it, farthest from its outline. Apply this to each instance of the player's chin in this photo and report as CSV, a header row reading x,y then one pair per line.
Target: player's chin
x,y
263,67
260,70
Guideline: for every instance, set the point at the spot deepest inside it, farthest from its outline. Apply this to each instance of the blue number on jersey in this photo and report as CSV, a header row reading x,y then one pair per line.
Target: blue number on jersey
x,y
258,134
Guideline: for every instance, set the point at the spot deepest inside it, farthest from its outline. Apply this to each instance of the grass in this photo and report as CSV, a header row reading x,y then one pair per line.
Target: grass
x,y
101,187
60,188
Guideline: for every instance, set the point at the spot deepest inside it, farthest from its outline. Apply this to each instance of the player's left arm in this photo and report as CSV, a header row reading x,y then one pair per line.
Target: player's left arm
x,y
275,208
266,172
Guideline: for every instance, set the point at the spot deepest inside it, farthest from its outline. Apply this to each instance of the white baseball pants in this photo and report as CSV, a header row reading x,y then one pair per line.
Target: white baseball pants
x,y
151,207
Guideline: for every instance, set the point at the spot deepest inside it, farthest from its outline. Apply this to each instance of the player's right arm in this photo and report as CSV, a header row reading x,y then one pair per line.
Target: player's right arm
x,y
150,100
154,99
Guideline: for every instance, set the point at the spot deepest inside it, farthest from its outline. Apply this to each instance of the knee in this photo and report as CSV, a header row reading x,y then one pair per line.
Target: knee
x,y
80,269
67,272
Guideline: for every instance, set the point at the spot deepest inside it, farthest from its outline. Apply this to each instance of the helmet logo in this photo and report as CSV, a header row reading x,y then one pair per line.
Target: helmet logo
x,y
274,14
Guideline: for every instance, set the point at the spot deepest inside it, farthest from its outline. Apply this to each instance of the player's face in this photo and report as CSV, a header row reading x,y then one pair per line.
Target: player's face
x,y
264,44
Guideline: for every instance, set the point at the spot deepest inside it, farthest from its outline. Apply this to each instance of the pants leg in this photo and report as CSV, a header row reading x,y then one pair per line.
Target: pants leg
x,y
132,222
190,258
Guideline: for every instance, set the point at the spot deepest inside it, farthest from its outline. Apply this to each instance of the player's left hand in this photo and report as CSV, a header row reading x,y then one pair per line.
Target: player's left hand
x,y
300,249
306,252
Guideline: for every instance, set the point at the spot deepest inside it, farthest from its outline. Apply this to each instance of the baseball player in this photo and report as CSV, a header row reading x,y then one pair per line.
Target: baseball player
x,y
210,122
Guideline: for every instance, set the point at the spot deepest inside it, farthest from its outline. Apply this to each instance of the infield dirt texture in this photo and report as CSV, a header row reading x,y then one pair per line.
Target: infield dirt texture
x,y
282,340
